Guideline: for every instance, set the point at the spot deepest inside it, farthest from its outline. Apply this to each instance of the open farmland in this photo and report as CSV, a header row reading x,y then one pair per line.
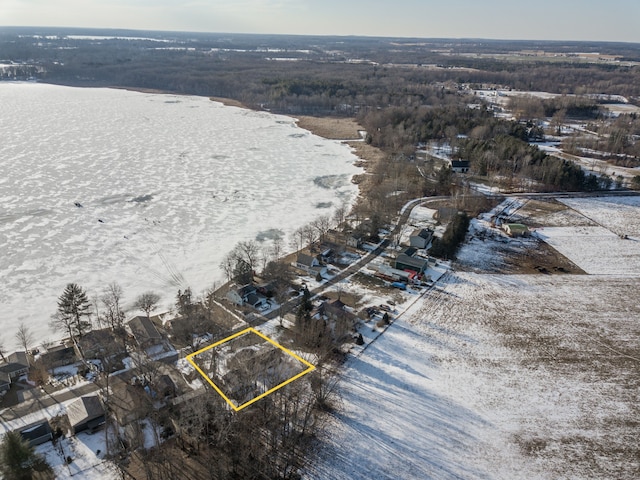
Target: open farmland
x,y
498,377
506,376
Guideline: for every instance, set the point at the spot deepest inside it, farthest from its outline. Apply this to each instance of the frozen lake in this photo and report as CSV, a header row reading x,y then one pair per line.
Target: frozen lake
x,y
166,184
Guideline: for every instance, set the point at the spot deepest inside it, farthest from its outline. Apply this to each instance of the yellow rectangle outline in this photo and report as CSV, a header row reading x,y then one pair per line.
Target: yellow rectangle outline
x,y
263,336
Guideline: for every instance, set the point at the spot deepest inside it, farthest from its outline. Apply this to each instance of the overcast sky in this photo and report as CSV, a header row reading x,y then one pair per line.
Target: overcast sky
x,y
614,20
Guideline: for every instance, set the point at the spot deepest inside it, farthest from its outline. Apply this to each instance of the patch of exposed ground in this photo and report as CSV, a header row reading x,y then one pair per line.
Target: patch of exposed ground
x,y
550,213
331,127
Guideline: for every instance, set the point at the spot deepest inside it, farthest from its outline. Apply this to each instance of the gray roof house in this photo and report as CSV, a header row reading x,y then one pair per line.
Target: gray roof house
x,y
309,264
86,413
14,370
144,331
408,260
18,357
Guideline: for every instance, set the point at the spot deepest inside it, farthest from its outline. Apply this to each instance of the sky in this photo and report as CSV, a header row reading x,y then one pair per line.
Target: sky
x,y
613,20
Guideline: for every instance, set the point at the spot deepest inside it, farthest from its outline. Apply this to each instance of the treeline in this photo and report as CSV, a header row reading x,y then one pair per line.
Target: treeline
x,y
447,246
323,79
519,163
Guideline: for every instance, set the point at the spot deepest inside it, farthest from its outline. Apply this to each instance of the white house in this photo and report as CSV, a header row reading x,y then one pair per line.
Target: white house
x,y
309,264
420,238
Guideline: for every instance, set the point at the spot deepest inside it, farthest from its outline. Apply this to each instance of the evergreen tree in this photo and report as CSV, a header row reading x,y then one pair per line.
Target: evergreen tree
x,y
74,310
19,461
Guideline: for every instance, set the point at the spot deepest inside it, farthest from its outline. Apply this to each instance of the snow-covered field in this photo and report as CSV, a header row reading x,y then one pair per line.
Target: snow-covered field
x,y
493,376
167,186
601,248
504,376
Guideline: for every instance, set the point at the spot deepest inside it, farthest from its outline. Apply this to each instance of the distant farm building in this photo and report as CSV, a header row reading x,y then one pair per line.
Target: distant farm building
x,y
459,166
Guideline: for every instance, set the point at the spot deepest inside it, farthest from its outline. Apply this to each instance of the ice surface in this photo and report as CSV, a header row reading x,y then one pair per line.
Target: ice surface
x,y
165,186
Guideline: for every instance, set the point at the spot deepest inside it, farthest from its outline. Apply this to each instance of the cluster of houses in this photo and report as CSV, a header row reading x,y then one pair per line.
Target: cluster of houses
x,y
132,394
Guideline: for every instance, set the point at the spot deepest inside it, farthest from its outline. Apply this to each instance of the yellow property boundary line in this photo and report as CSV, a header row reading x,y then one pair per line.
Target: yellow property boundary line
x,y
191,357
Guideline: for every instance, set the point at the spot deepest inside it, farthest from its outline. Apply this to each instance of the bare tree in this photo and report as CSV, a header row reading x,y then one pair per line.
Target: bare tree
x,y
276,247
310,234
62,322
112,301
24,336
228,264
249,251
322,224
95,301
147,302
2,351
340,214
297,239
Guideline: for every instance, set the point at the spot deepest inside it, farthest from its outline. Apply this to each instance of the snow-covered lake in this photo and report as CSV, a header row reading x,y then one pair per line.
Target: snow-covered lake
x,y
149,190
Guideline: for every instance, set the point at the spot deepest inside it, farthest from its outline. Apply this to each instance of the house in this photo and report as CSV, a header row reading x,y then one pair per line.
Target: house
x,y
408,260
240,295
355,240
99,344
335,310
37,433
310,264
515,229
144,331
128,402
306,262
459,166
86,413
18,357
420,238
14,369
58,356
